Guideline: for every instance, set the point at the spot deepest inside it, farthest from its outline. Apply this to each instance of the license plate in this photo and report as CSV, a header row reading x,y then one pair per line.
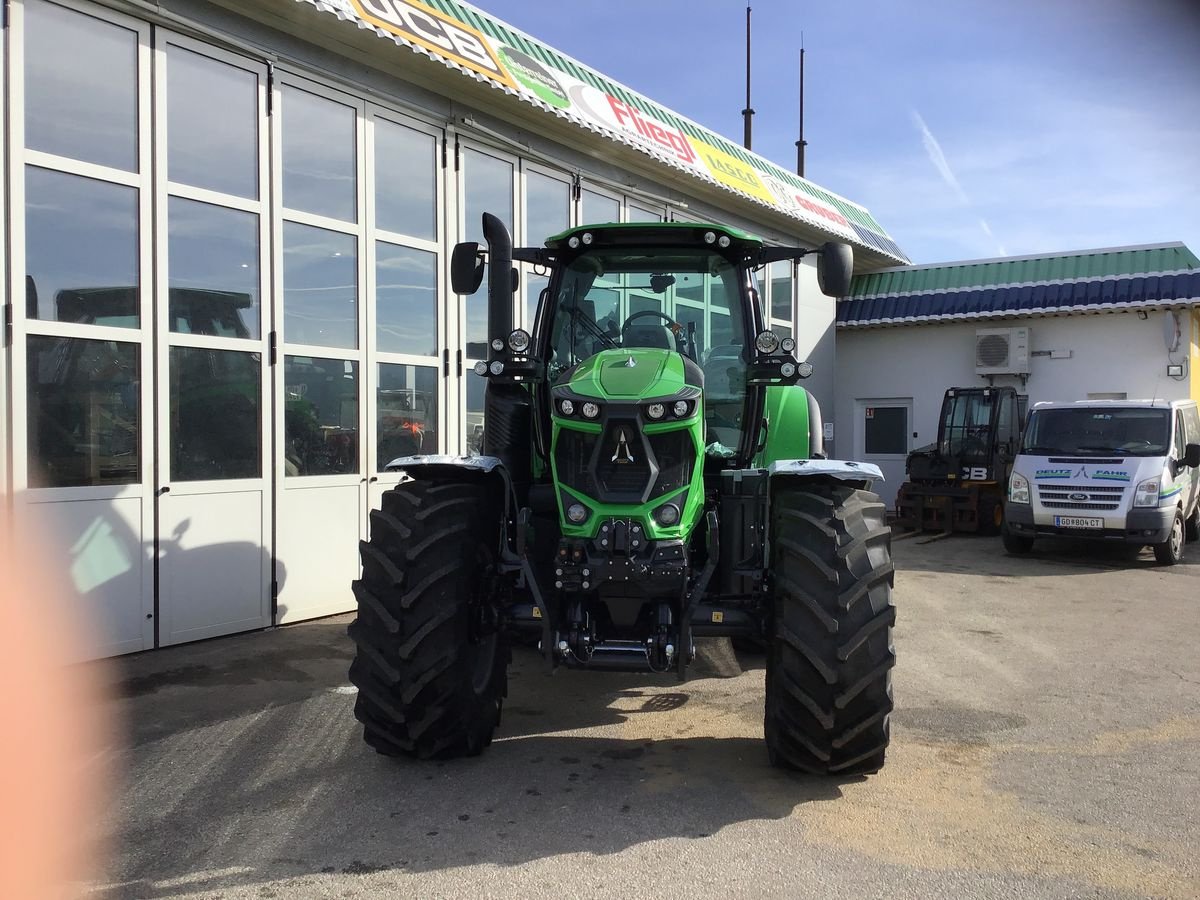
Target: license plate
x,y
1077,522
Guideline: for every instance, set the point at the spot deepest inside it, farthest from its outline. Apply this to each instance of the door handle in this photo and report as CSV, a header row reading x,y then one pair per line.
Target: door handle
x,y
165,489
372,479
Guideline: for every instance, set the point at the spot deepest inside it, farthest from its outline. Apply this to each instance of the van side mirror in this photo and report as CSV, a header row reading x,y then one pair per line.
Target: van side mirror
x,y
1191,455
466,268
835,266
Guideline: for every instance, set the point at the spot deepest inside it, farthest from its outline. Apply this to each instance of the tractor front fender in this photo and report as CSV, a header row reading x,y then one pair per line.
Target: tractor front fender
x,y
859,474
444,467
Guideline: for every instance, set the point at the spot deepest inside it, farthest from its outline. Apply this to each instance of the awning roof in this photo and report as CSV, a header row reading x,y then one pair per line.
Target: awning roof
x,y
481,47
1124,278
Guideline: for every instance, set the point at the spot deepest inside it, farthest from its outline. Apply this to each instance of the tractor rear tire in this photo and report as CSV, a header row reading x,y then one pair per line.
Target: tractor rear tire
x,y
830,653
430,667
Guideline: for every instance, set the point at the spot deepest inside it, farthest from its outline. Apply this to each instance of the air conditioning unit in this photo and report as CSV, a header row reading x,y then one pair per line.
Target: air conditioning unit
x,y
1002,351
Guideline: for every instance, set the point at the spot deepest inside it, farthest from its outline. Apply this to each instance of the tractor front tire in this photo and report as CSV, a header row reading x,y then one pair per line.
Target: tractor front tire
x,y
830,653
430,667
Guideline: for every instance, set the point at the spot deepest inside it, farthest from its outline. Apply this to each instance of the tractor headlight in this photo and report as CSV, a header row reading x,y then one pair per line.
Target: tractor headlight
x,y
496,367
518,341
577,512
788,345
767,342
497,345
481,368
591,410
566,407
681,408
667,514
656,410
1018,489
1147,493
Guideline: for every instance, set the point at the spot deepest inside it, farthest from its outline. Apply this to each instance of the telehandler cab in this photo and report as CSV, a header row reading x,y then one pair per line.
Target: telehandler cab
x,y
650,472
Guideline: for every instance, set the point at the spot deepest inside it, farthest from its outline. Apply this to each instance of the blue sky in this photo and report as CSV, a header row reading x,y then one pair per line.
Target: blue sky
x,y
970,129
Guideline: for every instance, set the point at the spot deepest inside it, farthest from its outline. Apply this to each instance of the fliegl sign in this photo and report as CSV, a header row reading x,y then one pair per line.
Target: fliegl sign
x,y
434,31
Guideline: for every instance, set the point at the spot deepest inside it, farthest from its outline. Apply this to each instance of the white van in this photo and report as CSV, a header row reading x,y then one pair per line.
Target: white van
x,y
1124,470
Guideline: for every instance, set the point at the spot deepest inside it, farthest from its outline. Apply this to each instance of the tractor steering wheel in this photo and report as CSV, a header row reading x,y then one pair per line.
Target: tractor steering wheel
x,y
676,328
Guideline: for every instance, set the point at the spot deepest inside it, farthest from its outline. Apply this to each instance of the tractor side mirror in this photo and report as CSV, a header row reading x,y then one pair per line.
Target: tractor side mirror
x,y
1191,455
835,266
466,268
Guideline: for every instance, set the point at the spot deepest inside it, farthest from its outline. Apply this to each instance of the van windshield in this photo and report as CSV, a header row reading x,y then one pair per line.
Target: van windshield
x,y
1098,431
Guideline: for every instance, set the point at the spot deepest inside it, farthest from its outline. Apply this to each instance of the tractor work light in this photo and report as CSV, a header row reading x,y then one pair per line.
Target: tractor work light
x,y
518,341
723,241
805,369
591,410
656,410
787,370
497,345
496,367
577,512
667,515
681,408
481,368
587,238
767,342
567,408
573,242
710,237
787,345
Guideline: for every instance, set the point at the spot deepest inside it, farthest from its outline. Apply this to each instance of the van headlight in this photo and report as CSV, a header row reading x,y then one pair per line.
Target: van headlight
x,y
1147,492
1018,489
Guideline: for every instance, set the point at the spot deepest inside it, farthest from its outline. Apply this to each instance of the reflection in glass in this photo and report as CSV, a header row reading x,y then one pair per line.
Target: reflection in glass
x,y
81,247
215,426
780,274
489,187
405,300
80,87
534,285
475,393
212,130
212,269
638,214
547,207
689,316
407,412
597,209
405,180
320,416
83,412
319,153
320,287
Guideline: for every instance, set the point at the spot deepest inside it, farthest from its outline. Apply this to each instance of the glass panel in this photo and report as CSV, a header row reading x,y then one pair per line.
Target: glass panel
x,y
547,208
784,331
475,392
691,318
215,426
212,269
407,412
597,208
405,180
886,430
320,420
320,287
780,274
638,214
80,87
81,249
212,131
319,174
83,412
534,285
406,306
489,189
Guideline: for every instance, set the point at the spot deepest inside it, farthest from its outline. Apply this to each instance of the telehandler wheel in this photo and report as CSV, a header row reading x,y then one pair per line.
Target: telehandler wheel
x,y
830,654
1193,524
991,516
431,666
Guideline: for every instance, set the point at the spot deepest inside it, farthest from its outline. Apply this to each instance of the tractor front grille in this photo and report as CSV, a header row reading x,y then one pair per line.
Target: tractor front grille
x,y
623,466
675,456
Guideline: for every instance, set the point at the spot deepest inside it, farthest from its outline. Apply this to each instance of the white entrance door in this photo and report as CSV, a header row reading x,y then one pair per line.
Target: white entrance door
x,y
883,436
213,493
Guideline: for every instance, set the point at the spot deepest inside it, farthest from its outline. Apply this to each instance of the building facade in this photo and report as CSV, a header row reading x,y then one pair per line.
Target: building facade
x,y
227,243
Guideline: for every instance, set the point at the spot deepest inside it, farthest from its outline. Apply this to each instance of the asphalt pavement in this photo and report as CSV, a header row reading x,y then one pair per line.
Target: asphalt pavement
x,y
1046,743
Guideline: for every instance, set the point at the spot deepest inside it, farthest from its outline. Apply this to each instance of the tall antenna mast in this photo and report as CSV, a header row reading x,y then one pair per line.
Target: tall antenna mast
x,y
747,112
802,143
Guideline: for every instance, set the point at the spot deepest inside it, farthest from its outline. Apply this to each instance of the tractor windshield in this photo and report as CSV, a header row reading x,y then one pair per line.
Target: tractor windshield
x,y
684,299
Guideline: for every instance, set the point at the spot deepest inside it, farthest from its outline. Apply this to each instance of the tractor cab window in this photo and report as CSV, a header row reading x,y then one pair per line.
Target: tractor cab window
x,y
684,301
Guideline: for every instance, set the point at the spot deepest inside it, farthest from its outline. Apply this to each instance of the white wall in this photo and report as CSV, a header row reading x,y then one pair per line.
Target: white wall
x,y
815,338
1115,352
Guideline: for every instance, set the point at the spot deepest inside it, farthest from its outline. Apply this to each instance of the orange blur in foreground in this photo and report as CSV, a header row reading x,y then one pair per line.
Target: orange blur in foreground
x,y
53,735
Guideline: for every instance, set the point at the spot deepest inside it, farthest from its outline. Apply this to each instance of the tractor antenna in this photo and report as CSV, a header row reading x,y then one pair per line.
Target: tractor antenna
x,y
747,112
801,143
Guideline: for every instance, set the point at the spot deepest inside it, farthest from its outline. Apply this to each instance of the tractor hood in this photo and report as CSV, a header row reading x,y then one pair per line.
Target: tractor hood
x,y
630,374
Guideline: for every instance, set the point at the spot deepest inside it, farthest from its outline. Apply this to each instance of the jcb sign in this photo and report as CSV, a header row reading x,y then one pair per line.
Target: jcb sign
x,y
434,31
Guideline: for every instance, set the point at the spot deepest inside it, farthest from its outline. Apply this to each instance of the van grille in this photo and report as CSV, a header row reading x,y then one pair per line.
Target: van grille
x,y
1059,496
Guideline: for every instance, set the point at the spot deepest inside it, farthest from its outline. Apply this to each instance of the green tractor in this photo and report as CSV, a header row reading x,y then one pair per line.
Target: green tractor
x,y
650,472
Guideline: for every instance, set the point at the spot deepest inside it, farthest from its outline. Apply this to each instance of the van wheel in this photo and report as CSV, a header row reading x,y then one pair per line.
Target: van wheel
x,y
1193,523
1170,551
1015,544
